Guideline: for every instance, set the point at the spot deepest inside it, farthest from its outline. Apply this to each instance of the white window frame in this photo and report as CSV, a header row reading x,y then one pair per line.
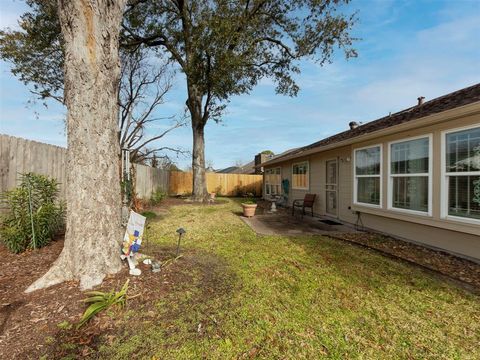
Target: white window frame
x,y
280,184
308,175
444,178
356,177
429,175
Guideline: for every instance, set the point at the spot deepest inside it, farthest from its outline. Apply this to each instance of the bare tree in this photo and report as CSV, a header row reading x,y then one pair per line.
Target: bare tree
x,y
239,163
143,87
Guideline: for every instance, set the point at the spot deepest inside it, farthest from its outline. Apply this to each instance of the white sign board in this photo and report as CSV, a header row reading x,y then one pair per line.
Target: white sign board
x,y
134,233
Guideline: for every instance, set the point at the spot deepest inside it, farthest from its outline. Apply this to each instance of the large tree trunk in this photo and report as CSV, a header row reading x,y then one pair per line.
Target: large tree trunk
x,y
90,29
200,192
194,104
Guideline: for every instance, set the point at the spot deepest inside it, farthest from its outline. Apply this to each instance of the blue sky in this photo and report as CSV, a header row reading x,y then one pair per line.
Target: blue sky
x,y
407,49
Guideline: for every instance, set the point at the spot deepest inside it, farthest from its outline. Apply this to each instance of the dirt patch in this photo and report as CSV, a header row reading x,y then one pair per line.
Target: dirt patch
x,y
181,200
439,261
42,322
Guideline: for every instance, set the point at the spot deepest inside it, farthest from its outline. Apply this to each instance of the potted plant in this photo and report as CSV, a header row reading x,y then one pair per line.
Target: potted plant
x,y
249,208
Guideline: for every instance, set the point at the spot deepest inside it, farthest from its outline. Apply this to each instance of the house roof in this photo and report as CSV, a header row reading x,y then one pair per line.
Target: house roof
x,y
453,100
249,168
227,170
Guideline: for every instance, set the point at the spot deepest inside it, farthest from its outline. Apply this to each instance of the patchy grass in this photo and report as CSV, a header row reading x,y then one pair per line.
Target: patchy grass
x,y
149,215
245,296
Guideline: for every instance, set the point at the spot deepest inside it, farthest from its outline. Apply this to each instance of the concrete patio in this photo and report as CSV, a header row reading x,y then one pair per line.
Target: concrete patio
x,y
283,222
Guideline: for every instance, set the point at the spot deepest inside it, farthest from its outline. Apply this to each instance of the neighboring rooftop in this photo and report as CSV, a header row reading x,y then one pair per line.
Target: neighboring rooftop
x,y
249,168
453,100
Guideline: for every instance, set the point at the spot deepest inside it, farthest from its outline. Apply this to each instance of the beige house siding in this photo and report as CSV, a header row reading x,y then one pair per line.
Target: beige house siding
x,y
453,236
317,181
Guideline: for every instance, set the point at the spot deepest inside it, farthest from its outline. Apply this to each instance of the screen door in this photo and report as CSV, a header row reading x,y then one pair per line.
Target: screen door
x,y
331,188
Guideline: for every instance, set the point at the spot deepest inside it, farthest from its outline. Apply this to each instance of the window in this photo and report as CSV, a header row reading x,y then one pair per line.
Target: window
x,y
462,174
300,175
273,181
367,188
410,169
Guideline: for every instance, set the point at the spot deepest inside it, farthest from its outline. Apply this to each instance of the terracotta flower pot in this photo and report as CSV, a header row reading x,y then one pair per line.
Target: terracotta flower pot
x,y
249,209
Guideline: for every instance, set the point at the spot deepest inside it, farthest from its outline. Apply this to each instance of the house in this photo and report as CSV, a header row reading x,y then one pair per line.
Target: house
x,y
252,167
414,174
248,168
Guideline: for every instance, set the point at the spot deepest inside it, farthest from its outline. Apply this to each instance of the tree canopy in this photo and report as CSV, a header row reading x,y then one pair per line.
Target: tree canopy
x,y
225,47
36,53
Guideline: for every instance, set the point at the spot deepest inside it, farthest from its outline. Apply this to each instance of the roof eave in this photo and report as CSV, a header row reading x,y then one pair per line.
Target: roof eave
x,y
451,114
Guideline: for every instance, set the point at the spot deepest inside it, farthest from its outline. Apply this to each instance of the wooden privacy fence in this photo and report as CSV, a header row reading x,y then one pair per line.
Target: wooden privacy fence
x,y
222,184
21,156
148,179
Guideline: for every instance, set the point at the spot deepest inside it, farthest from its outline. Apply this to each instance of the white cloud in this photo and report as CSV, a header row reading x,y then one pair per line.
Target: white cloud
x,y
438,60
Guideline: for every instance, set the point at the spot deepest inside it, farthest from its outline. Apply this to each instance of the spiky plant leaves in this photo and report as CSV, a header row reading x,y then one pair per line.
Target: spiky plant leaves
x,y
100,301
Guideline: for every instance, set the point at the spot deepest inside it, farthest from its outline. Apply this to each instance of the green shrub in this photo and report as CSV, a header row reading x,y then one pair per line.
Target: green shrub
x,y
34,215
157,196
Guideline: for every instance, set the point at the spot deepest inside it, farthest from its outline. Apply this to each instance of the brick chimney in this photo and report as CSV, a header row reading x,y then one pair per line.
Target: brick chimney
x,y
260,158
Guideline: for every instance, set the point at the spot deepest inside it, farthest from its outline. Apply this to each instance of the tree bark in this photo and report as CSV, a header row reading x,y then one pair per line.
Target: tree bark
x,y
90,29
200,192
194,104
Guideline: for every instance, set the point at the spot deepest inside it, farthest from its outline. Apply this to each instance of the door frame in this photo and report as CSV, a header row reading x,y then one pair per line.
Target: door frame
x,y
335,159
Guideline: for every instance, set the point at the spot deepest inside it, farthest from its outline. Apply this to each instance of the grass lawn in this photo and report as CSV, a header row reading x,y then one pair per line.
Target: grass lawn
x,y
239,295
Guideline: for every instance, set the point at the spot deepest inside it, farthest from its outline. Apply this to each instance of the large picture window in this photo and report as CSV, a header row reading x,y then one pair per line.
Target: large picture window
x,y
409,184
273,180
462,173
300,175
368,164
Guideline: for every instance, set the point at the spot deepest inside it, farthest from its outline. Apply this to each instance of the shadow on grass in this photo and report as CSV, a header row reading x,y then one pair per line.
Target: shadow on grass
x,y
185,296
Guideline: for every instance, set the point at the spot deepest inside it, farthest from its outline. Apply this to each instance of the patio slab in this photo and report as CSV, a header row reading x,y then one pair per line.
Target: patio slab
x,y
284,224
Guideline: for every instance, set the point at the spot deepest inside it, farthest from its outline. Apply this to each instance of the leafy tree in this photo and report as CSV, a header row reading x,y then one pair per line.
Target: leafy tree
x,y
225,47
36,53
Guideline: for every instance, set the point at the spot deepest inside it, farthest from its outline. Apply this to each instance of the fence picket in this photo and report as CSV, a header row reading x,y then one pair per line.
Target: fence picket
x,y
19,155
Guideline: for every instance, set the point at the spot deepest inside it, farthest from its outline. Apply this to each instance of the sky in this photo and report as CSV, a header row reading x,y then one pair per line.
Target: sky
x,y
406,49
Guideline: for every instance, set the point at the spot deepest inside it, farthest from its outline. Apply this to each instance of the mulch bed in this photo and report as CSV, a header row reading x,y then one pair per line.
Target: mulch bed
x,y
30,324
449,265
